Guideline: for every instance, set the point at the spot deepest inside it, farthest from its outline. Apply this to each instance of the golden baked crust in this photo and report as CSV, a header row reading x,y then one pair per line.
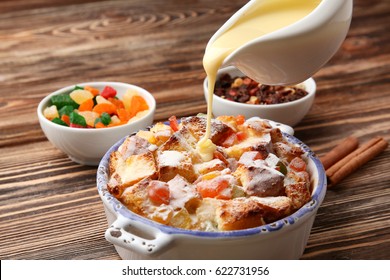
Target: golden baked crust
x,y
127,172
260,181
250,180
240,213
274,208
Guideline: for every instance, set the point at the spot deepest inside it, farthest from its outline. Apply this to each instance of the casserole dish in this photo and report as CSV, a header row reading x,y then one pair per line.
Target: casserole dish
x,y
136,237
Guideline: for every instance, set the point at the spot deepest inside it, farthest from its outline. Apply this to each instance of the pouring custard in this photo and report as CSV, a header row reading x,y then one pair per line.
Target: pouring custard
x,y
266,16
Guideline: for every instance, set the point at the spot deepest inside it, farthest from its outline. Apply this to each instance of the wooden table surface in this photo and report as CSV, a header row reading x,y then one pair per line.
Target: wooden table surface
x,y
49,206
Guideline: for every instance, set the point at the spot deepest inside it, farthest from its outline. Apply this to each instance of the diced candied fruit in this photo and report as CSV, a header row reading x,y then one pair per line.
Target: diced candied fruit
x,y
115,120
117,102
138,115
297,164
101,100
123,115
158,192
66,110
173,123
89,117
87,105
51,112
108,108
106,118
80,95
127,98
137,105
92,90
213,188
147,135
102,110
108,92
77,120
62,100
59,121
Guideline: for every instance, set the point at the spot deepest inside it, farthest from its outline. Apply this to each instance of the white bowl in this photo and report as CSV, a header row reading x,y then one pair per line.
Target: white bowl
x,y
290,113
136,237
87,146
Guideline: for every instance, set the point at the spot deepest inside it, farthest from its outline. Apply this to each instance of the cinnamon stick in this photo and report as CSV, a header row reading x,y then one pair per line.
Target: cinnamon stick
x,y
356,159
348,145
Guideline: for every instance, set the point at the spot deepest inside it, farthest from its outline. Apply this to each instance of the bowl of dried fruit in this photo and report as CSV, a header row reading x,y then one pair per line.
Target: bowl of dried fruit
x,y
237,94
86,119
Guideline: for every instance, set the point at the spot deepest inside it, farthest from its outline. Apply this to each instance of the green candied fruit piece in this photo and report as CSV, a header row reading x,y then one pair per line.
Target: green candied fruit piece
x,y
78,87
62,100
105,118
97,120
77,120
66,110
282,168
59,121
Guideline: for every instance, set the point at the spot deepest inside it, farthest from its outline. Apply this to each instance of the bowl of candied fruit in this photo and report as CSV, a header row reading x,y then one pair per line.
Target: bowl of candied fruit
x,y
86,119
235,94
256,197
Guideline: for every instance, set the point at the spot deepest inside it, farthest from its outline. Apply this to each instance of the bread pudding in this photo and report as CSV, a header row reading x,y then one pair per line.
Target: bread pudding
x,y
255,175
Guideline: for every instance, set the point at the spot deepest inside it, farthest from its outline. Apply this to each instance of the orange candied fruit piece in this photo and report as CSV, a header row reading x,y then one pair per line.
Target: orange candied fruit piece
x,y
108,108
100,125
117,102
240,119
123,115
87,105
92,90
66,119
137,104
298,164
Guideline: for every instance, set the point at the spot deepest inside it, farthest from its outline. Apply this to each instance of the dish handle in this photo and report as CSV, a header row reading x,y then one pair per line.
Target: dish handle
x,y
137,237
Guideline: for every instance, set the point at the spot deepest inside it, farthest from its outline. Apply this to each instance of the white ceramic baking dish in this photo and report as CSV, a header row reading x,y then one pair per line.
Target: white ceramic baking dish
x,y
136,237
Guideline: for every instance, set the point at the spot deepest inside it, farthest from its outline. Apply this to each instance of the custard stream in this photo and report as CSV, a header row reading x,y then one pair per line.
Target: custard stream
x,y
265,17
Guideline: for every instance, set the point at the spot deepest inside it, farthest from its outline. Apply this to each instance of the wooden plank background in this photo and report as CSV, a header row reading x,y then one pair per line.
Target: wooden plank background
x,y
49,206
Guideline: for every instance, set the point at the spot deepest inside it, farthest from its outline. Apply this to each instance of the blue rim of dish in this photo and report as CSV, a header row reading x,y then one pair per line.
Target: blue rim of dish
x,y
316,199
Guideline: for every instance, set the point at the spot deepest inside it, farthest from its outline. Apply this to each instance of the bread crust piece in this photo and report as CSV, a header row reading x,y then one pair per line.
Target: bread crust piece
x,y
239,213
209,166
230,121
127,172
287,152
197,125
257,127
274,208
171,163
260,180
260,144
183,194
298,188
182,141
133,145
136,197
205,214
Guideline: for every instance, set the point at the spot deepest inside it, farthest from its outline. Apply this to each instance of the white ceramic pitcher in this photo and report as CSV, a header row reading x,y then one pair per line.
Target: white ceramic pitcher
x,y
294,53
